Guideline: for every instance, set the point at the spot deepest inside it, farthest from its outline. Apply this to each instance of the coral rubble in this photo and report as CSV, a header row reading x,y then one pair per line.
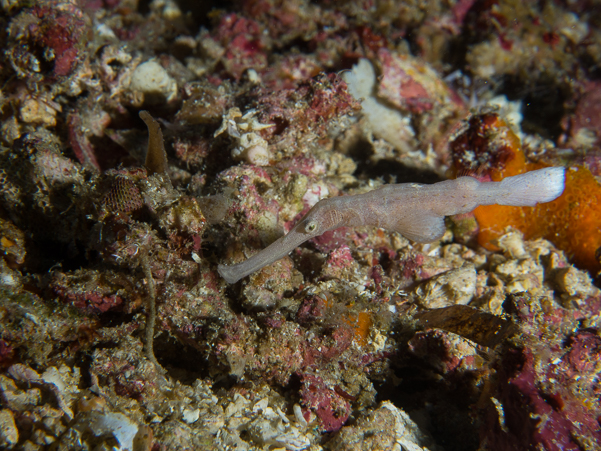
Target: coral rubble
x,y
144,143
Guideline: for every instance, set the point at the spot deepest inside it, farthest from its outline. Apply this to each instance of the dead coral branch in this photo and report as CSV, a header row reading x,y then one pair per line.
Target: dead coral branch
x,y
151,313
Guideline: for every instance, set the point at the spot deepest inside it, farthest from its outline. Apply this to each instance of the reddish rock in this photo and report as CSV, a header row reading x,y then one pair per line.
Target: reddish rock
x,y
310,310
588,113
534,418
244,44
331,408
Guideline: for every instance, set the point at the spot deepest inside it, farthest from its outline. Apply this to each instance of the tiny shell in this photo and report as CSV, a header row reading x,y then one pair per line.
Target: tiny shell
x,y
449,288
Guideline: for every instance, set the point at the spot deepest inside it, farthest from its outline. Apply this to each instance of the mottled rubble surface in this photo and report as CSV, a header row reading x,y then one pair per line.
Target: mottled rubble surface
x,y
116,331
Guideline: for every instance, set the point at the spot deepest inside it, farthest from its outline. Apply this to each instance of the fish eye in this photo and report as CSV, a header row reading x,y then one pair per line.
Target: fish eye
x,y
311,227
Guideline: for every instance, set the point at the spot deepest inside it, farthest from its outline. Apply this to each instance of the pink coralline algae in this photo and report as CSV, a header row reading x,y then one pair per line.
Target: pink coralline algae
x,y
340,258
312,309
549,400
400,84
330,407
328,98
51,35
552,420
411,266
243,44
584,355
324,98
332,239
95,298
61,32
289,72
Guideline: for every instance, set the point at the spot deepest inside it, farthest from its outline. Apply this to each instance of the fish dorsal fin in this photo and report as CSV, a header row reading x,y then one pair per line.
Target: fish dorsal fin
x,y
421,228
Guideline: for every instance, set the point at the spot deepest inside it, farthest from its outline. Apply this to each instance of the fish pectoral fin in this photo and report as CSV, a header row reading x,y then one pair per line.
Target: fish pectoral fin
x,y
422,228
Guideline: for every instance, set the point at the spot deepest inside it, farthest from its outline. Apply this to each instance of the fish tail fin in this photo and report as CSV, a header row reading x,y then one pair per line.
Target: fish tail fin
x,y
531,188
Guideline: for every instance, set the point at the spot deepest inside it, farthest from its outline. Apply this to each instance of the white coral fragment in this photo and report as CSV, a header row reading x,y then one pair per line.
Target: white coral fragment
x,y
154,82
408,434
272,428
118,425
386,123
251,147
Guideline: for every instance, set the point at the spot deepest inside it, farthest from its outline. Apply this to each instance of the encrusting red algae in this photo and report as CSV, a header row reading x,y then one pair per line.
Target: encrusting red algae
x,y
415,211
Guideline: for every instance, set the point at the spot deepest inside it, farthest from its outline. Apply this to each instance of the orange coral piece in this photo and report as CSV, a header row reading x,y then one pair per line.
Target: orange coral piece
x,y
572,222
361,324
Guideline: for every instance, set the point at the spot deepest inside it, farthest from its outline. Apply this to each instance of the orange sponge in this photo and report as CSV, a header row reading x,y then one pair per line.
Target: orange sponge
x,y
572,222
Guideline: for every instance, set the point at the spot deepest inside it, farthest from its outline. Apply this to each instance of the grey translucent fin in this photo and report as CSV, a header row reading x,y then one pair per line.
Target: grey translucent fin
x,y
421,228
530,188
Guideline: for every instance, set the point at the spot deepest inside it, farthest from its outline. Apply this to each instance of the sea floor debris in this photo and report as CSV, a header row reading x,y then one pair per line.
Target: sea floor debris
x,y
116,329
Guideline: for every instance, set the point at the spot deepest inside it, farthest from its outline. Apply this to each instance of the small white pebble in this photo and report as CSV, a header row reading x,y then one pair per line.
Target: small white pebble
x,y
190,416
258,155
261,405
253,76
298,414
151,79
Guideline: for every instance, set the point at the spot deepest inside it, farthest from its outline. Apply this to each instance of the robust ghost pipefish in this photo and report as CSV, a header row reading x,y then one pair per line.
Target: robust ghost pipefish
x,y
415,211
